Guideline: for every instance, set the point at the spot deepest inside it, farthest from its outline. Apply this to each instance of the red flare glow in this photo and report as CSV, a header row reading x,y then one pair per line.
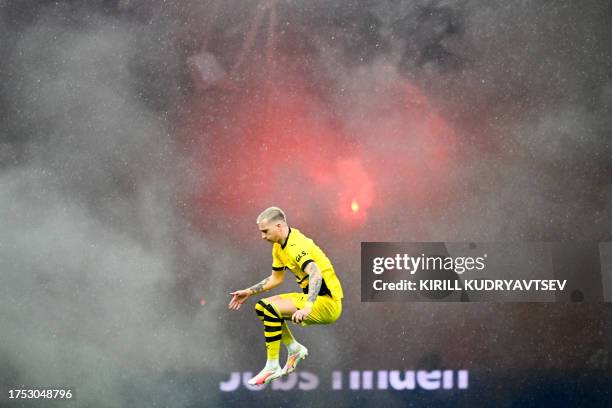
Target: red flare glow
x,y
289,151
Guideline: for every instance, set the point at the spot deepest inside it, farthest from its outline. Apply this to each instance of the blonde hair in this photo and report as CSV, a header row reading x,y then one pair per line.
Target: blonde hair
x,y
272,214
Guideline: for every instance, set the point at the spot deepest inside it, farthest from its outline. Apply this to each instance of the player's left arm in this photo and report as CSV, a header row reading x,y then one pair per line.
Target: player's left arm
x,y
315,280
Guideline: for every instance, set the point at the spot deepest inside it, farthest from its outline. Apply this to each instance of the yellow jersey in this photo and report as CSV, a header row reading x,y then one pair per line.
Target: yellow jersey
x,y
297,252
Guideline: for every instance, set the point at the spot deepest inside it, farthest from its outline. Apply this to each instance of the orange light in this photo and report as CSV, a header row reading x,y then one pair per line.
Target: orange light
x,y
354,205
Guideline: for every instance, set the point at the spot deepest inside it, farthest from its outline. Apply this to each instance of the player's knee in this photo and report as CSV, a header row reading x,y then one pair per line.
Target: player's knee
x,y
266,306
273,303
259,310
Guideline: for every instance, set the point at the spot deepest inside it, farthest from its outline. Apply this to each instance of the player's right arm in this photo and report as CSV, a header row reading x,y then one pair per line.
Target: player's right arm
x,y
240,296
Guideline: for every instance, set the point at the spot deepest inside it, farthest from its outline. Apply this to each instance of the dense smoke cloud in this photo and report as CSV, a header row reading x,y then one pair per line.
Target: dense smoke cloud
x,y
94,249
140,139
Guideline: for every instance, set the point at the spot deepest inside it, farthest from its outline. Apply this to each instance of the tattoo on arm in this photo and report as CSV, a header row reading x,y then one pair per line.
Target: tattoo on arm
x,y
260,286
314,281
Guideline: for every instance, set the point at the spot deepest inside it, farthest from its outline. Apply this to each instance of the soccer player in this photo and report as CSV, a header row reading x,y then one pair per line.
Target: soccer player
x,y
320,302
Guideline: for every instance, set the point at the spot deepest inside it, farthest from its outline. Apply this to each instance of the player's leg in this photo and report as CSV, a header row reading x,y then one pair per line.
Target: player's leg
x,y
296,352
286,336
324,311
272,319
284,304
285,308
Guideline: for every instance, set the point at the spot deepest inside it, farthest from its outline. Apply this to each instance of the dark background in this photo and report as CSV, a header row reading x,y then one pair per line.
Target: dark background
x,y
140,139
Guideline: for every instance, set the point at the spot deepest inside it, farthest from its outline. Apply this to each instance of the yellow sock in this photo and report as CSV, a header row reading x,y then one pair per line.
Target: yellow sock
x,y
287,337
273,322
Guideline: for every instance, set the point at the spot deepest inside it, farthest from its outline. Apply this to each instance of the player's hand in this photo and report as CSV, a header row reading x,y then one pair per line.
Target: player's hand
x,y
301,314
238,298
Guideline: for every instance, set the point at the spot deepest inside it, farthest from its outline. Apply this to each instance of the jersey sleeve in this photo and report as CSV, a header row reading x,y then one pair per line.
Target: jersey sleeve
x,y
277,264
301,254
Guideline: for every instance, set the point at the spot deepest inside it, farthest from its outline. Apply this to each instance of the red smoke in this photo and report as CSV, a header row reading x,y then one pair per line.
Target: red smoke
x,y
280,144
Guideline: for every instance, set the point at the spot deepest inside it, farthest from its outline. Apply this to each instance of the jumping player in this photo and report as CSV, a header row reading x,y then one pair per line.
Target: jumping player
x,y
320,302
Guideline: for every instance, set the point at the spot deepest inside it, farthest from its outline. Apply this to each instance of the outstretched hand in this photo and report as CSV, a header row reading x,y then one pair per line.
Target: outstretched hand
x,y
238,298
